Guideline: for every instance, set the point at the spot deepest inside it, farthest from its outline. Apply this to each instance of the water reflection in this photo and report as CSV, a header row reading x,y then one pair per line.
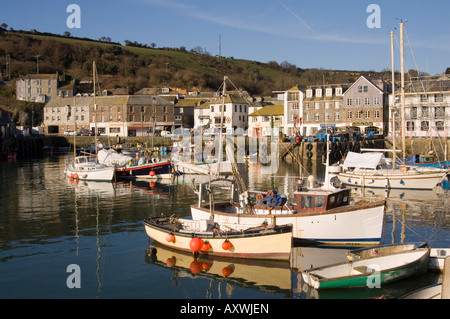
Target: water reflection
x,y
48,222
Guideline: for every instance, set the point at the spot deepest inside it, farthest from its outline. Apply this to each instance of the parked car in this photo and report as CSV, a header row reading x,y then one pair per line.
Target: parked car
x,y
85,132
166,133
70,132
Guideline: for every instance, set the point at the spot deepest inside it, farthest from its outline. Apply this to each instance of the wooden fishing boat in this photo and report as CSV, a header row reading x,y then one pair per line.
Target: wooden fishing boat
x,y
429,292
321,215
369,272
229,240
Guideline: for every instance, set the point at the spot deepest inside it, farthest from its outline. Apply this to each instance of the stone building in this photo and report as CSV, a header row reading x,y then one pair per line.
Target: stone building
x,y
42,87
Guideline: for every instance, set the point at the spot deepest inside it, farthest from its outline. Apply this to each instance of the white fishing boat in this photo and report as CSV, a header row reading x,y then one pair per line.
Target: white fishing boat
x,y
228,240
373,170
87,168
321,214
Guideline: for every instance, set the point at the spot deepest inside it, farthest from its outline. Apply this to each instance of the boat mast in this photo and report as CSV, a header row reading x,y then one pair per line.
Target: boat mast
x,y
394,157
221,121
74,128
403,92
95,111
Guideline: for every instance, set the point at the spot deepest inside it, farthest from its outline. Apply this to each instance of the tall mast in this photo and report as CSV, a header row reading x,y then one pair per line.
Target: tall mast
x,y
403,93
222,120
95,110
394,157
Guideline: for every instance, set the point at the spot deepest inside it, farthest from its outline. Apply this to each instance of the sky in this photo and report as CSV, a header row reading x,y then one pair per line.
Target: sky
x,y
326,34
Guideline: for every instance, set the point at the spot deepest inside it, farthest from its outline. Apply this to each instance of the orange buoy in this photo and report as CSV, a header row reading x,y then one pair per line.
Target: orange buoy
x,y
259,197
195,267
170,238
170,262
71,176
75,176
206,246
152,173
228,270
196,244
226,245
206,266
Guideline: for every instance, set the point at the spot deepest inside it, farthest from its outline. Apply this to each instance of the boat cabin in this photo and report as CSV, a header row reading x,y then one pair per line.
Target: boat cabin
x,y
320,201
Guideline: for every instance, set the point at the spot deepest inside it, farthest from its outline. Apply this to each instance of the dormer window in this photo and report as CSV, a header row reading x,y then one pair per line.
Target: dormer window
x,y
338,91
329,92
309,93
319,92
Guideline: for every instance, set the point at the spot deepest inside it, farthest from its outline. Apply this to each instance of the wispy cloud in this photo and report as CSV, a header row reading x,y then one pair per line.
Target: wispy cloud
x,y
244,21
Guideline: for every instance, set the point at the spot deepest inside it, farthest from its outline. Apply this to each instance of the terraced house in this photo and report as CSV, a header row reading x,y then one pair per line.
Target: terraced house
x,y
122,115
43,87
427,107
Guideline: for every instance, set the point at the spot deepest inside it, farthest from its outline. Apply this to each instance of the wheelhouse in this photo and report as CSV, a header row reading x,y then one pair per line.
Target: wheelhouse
x,y
311,201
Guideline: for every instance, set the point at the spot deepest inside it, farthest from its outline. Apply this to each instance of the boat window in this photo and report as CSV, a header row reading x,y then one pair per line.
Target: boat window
x,y
306,201
319,201
345,198
332,199
339,198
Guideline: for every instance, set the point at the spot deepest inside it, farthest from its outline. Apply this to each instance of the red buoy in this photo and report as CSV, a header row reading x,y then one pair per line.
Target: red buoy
x,y
71,175
226,245
196,244
152,173
206,246
75,176
195,267
170,237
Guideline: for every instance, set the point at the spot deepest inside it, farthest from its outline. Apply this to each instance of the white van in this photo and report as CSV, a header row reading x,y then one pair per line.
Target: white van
x,y
166,133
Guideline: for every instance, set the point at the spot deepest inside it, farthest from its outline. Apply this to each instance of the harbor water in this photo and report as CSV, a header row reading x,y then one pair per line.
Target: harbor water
x,y
52,228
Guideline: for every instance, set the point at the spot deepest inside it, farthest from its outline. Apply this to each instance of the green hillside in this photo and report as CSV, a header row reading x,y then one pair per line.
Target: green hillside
x,y
137,66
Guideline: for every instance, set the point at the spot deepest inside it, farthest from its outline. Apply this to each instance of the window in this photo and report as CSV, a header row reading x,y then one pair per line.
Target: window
x,y
424,125
358,114
212,108
423,98
362,88
316,117
439,111
337,116
327,117
367,115
438,98
410,126
367,101
336,105
309,93
349,101
358,101
306,202
327,105
316,105
376,114
413,113
440,125
349,114
319,201
376,100
329,92
338,91
424,111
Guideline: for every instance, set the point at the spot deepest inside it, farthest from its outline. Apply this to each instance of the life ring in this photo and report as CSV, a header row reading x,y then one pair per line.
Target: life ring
x,y
269,193
259,197
309,154
228,120
309,146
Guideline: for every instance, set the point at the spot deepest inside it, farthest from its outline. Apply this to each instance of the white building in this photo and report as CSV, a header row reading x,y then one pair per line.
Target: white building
x,y
293,110
427,108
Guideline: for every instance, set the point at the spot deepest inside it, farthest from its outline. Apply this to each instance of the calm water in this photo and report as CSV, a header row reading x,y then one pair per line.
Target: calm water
x,y
48,223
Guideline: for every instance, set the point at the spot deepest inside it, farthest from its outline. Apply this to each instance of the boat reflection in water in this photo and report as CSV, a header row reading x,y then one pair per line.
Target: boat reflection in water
x,y
268,276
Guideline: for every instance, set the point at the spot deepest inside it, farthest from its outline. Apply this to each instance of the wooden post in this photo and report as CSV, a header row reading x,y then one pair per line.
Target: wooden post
x,y
446,280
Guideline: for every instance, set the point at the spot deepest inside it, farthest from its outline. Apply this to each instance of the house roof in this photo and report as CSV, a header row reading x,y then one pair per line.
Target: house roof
x,y
269,110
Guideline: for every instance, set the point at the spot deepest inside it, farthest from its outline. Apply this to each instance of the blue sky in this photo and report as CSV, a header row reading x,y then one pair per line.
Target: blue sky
x,y
310,34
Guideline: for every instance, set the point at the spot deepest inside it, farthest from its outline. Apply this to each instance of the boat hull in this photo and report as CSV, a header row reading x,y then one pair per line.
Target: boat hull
x,y
387,179
369,272
105,174
358,226
162,170
270,245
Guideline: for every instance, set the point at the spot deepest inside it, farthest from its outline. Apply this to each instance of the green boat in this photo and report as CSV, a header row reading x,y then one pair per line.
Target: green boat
x,y
371,272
